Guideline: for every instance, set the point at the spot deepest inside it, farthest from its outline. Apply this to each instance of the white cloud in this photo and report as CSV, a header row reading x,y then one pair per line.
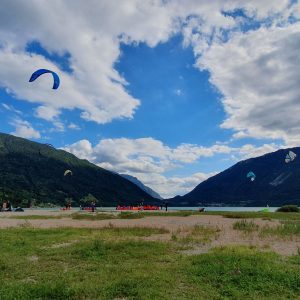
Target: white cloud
x,y
171,186
178,92
258,74
91,35
73,126
47,113
250,151
24,129
11,108
82,149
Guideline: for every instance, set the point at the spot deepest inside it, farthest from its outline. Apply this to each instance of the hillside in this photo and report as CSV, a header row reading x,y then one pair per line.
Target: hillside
x,y
142,186
33,172
276,183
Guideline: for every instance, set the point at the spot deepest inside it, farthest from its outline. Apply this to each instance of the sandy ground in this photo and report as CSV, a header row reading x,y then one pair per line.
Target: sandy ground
x,y
176,225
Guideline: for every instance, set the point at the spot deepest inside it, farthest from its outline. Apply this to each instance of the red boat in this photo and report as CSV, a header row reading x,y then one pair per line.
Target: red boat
x,y
151,207
144,207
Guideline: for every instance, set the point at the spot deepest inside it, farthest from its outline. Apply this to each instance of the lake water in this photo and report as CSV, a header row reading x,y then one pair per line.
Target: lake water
x,y
209,208
226,208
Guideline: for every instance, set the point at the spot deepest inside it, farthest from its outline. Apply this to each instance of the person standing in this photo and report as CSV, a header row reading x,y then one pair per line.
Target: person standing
x,y
4,206
93,206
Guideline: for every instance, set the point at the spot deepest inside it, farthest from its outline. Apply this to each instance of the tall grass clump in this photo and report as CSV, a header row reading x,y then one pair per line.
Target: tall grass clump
x,y
286,230
245,225
200,234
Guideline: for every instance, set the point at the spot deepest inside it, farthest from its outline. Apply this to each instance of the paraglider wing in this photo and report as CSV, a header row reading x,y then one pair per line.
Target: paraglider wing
x,y
40,72
68,172
251,175
290,156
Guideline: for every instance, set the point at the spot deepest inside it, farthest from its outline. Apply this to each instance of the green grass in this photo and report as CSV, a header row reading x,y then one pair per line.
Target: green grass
x,y
115,263
286,230
37,217
255,215
245,225
143,214
130,215
245,273
92,216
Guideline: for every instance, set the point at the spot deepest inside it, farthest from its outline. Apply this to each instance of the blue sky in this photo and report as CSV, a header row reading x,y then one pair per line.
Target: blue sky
x,y
169,93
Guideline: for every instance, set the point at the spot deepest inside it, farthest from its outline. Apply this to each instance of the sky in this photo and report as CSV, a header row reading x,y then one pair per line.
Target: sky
x,y
169,91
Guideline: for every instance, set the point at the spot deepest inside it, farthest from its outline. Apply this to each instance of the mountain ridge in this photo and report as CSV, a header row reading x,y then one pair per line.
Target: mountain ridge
x,y
31,171
145,188
276,183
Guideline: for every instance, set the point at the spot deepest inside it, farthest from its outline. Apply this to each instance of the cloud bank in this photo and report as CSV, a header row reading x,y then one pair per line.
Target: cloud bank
x,y
149,159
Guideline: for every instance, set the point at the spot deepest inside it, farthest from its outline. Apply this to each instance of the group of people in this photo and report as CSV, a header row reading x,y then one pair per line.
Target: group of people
x,y
91,208
68,205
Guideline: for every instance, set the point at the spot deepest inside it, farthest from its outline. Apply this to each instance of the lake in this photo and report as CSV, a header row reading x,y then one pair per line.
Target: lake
x,y
209,208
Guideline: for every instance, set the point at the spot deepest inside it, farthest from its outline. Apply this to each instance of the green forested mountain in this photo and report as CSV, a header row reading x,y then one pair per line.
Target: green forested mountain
x,y
31,172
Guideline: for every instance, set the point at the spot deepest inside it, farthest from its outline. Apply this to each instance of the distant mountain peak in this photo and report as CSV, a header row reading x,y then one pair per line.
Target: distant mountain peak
x,y
145,188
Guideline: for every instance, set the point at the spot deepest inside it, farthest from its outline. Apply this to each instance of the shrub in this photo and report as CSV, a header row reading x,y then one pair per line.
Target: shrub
x,y
288,208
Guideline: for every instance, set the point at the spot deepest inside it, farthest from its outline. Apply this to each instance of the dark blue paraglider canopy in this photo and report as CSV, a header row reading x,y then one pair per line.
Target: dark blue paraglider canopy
x,y
40,72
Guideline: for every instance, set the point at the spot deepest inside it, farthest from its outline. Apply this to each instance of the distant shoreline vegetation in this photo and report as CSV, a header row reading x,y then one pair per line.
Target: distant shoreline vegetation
x,y
288,208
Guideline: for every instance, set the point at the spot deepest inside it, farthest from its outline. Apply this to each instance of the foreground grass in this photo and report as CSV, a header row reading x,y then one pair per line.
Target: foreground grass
x,y
115,263
37,217
255,215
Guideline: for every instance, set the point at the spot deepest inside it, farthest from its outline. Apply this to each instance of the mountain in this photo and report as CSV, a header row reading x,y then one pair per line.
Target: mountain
x,y
142,186
34,172
276,183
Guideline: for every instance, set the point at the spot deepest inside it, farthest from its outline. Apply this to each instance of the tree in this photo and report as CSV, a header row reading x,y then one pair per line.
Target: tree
x,y
88,199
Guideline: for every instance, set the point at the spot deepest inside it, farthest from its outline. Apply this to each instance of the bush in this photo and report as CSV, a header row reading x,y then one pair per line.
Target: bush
x,y
288,208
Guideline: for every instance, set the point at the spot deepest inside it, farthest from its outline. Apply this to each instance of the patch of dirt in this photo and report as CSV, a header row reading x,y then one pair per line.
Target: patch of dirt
x,y
33,258
29,280
62,245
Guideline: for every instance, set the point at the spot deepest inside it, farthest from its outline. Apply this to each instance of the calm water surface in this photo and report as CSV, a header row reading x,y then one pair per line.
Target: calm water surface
x,y
209,208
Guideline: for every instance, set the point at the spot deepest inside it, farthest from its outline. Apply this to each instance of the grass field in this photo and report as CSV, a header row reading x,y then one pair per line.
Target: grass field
x,y
82,215
185,213
255,215
115,263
